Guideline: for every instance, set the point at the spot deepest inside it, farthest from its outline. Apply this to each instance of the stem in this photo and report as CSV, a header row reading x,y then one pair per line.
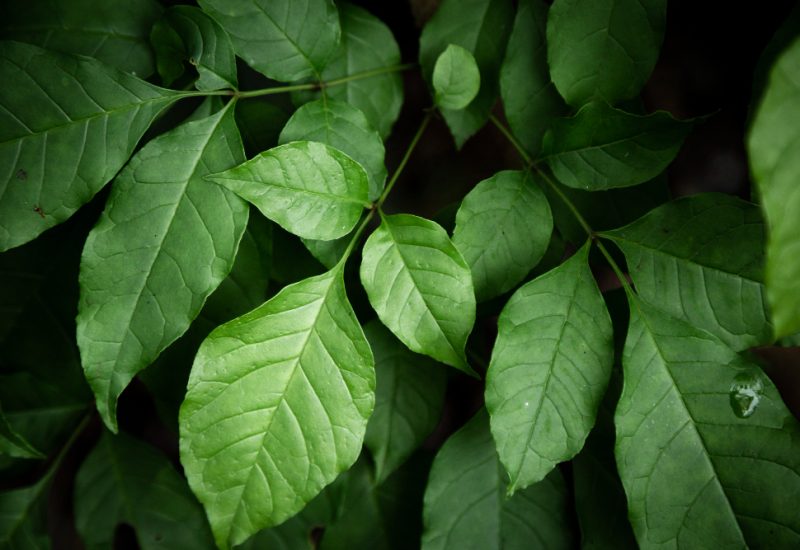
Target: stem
x,y
404,161
510,137
356,236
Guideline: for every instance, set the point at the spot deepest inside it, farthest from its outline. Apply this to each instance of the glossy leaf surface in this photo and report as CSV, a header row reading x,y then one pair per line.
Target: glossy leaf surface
x,y
456,78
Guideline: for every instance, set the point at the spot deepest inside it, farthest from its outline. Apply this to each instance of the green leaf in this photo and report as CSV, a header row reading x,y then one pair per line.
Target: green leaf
x,y
408,400
602,148
481,27
530,100
465,504
113,31
260,122
503,227
345,128
127,481
456,78
705,461
286,40
186,33
308,188
421,287
328,253
164,242
23,517
67,126
12,443
700,259
276,407
549,370
367,44
603,49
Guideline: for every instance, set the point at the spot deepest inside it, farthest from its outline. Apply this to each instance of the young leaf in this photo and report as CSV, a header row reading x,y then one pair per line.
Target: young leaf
x,y
127,481
692,256
601,147
706,450
465,504
456,78
421,287
503,227
481,27
113,31
549,370
345,128
12,443
367,44
603,49
186,33
286,40
164,242
276,407
23,516
408,400
530,100
67,126
308,188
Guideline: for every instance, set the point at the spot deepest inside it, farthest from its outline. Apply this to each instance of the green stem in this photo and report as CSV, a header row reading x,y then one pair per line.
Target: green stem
x,y
356,236
404,161
512,140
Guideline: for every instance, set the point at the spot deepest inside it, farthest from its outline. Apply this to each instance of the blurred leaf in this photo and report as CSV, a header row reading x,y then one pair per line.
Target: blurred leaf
x,y
23,517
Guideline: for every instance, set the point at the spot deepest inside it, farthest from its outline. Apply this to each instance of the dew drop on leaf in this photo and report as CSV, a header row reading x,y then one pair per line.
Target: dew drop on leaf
x,y
745,393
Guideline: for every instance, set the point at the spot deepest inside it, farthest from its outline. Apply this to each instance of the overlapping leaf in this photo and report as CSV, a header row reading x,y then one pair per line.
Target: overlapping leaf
x,y
308,188
706,450
700,259
276,407
165,241
67,125
503,227
456,78
420,286
12,443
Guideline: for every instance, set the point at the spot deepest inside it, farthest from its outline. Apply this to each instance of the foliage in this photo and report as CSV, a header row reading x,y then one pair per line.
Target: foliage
x,y
296,410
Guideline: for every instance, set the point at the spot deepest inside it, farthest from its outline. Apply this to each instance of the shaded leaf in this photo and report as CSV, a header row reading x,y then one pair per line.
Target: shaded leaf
x,y
23,517
420,286
308,188
456,78
12,443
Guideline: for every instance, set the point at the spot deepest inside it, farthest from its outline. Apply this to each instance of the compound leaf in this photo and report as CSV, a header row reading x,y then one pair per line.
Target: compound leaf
x,y
276,407
456,78
67,125
308,188
421,287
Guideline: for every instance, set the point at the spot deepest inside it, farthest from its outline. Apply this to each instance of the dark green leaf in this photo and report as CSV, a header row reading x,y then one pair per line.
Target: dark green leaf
x,y
164,242
185,33
286,40
549,370
127,481
308,188
67,125
421,287
23,517
530,100
113,31
701,259
603,49
481,27
12,443
260,122
707,452
456,78
601,147
328,253
276,407
503,227
408,400
465,504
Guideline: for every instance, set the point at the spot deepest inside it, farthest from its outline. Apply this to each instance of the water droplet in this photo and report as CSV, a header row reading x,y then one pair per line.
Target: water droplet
x,y
746,392
527,403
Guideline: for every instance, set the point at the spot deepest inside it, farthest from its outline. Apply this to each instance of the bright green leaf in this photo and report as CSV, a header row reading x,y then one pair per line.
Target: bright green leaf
x,y
601,147
113,31
465,504
456,78
67,125
276,407
164,242
421,287
503,227
286,40
707,452
603,49
308,188
345,128
549,370
12,443
530,100
186,33
408,400
23,517
127,481
481,27
700,259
